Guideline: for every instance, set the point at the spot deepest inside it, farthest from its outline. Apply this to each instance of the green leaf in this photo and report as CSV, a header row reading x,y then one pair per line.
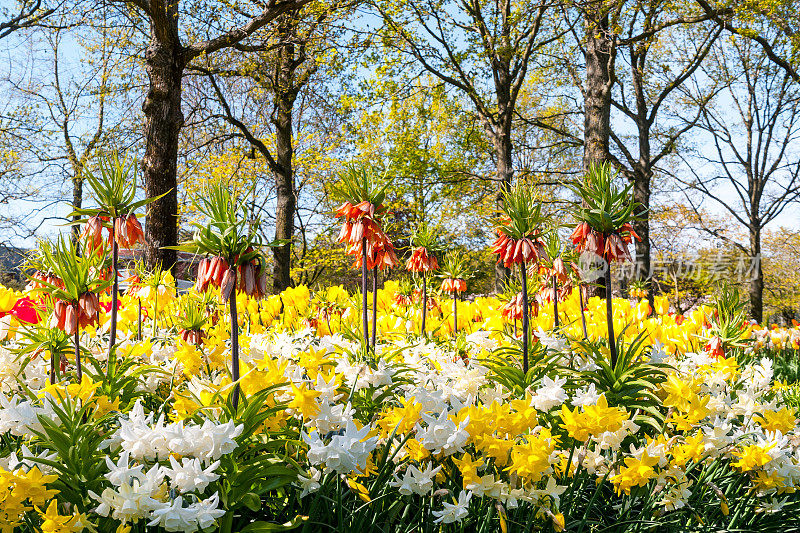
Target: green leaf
x,y
261,526
251,501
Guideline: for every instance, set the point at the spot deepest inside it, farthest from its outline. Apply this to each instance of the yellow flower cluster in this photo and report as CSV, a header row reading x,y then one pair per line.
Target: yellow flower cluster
x,y
594,420
20,491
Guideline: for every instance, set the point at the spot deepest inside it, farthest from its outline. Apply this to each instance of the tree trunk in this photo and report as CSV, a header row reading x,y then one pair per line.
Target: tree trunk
x,y
505,174
597,90
162,125
756,277
597,100
77,203
641,225
286,203
642,171
285,93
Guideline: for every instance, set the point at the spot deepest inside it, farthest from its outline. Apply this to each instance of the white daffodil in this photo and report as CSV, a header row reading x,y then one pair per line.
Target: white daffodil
x,y
454,512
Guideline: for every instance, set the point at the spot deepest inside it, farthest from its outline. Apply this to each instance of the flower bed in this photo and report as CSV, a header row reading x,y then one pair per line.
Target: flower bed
x,y
442,430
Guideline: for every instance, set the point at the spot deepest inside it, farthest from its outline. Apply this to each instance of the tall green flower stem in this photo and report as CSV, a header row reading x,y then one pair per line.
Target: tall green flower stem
x,y
555,302
77,341
231,245
114,290
362,193
155,312
604,228
424,243
374,305
364,317
455,314
583,313
424,303
612,344
234,343
525,326
519,241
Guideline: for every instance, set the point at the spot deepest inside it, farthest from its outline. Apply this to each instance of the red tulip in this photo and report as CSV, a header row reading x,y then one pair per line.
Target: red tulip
x,y
25,311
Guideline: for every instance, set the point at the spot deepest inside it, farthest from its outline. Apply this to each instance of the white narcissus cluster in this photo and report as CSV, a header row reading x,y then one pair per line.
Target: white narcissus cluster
x,y
331,417
20,417
141,493
550,394
9,368
144,439
441,434
416,481
343,453
189,475
198,516
25,459
309,482
456,511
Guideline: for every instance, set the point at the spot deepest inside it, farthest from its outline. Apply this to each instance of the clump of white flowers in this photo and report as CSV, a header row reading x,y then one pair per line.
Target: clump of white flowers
x,y
138,494
344,453
146,440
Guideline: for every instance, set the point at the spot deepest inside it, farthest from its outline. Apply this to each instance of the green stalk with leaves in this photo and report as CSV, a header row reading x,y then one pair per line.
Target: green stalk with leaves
x,y
519,241
455,274
74,294
604,227
114,192
234,261
556,269
362,193
424,245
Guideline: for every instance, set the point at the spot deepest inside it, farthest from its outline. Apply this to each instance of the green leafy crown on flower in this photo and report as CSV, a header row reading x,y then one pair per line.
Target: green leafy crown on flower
x,y
191,312
728,320
113,188
454,266
521,214
360,183
426,237
79,272
551,243
227,230
604,206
